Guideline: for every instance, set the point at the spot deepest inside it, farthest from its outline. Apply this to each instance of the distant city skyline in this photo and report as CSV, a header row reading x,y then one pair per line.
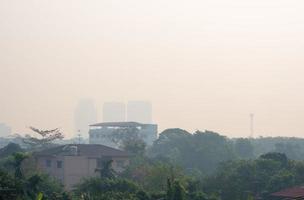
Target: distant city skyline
x,y
114,112
203,64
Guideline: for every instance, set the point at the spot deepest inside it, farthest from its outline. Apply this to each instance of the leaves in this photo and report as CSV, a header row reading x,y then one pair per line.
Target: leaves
x,y
106,170
46,137
39,196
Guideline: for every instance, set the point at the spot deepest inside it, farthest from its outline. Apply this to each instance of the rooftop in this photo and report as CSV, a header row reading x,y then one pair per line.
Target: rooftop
x,y
90,150
295,192
120,124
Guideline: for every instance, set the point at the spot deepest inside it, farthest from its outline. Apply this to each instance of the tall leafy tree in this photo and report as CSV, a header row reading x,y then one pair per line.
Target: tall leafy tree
x,y
45,138
18,159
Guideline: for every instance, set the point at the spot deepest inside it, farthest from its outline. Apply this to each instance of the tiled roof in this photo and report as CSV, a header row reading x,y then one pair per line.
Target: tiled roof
x,y
90,150
294,192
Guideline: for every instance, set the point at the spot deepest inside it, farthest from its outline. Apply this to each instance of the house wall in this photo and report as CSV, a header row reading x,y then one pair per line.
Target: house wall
x,y
76,168
52,170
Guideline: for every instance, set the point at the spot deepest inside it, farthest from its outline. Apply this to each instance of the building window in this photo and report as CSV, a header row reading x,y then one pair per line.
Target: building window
x,y
48,163
59,164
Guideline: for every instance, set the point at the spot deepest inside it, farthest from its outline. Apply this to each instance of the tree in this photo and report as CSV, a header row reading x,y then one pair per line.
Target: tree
x,y
123,135
279,157
243,148
201,150
178,191
18,159
31,187
45,137
170,192
9,186
106,170
135,147
10,149
244,179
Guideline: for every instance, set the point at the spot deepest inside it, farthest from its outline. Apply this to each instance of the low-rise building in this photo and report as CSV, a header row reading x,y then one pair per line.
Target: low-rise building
x,y
72,163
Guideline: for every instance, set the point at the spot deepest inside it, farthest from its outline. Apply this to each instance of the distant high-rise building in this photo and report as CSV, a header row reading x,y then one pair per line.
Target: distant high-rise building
x,y
85,114
5,130
114,112
139,111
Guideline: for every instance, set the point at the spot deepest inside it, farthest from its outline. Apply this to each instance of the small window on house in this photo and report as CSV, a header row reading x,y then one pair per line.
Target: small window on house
x,y
48,163
59,164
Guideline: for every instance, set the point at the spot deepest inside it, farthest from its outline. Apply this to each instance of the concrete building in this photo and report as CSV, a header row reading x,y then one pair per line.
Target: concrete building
x,y
101,133
72,163
5,130
114,112
85,114
139,111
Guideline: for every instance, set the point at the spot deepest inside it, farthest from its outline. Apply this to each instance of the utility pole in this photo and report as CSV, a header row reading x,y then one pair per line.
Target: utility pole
x,y
251,125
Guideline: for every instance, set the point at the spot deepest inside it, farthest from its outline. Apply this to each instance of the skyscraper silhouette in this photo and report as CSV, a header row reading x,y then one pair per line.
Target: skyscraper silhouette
x,y
85,114
114,112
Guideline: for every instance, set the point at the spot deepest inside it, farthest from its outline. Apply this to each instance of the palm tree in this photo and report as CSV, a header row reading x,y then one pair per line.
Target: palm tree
x,y
18,159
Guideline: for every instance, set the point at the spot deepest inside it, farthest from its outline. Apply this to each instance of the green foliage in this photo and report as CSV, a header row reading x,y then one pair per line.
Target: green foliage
x,y
39,196
243,148
135,147
46,137
279,157
9,186
112,189
170,191
10,149
106,170
22,186
18,159
27,188
201,150
152,176
179,166
244,179
293,148
178,191
127,138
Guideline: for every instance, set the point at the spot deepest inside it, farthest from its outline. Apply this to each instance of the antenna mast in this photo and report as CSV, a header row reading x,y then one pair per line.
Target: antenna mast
x,y
251,125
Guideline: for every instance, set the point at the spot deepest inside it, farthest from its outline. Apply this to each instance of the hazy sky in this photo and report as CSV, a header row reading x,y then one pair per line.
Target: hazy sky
x,y
204,64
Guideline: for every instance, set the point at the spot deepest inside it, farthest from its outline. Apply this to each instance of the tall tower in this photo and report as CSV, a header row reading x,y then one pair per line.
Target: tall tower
x,y
251,125
114,112
84,115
